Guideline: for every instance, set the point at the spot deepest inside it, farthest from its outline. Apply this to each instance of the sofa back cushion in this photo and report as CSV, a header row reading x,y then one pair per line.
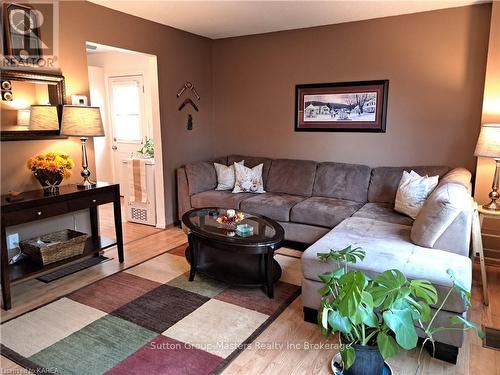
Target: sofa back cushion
x,y
384,181
342,181
444,222
201,176
292,177
252,161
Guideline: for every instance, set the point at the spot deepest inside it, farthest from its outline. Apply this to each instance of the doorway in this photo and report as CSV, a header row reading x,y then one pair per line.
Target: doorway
x,y
124,85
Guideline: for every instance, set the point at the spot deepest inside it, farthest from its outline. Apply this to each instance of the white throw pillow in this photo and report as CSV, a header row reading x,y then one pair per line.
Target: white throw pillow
x,y
248,179
225,176
412,192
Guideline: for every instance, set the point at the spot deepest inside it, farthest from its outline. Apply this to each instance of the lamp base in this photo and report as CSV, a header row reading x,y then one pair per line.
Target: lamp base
x,y
86,184
492,206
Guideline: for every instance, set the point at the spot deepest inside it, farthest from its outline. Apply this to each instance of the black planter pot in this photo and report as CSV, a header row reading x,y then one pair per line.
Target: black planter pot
x,y
368,361
49,180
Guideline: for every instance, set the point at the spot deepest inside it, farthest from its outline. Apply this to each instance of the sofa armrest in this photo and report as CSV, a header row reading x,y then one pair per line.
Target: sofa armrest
x,y
183,198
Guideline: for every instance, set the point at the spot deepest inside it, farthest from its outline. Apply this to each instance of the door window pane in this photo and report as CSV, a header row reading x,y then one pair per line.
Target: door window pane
x,y
126,105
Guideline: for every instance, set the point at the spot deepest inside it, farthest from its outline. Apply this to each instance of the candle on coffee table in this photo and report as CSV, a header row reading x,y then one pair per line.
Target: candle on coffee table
x,y
231,213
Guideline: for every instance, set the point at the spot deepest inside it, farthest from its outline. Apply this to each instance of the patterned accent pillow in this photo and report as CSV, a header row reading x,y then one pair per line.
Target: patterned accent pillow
x,y
248,179
225,175
413,191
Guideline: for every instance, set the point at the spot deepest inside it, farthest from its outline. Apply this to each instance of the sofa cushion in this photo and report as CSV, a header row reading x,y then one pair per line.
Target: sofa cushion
x,y
273,205
448,208
383,212
225,175
325,212
384,181
201,176
388,246
457,176
342,181
222,199
292,177
248,179
253,161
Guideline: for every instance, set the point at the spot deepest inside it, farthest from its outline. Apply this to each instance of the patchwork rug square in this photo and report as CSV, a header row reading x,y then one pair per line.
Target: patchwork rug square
x,y
148,319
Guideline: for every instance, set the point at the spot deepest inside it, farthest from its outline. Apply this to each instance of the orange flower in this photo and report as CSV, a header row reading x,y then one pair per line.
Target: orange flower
x,y
53,162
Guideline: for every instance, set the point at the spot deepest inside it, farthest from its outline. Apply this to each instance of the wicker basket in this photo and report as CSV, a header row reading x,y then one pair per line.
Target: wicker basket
x,y
54,247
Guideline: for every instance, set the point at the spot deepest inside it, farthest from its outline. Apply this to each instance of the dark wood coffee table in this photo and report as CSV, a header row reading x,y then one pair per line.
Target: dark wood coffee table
x,y
230,258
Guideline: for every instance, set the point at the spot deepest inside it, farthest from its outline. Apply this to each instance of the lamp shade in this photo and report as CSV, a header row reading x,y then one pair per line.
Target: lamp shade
x,y
43,117
81,121
23,117
488,143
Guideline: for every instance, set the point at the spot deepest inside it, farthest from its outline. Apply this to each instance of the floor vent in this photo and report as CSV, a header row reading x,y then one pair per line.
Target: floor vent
x,y
139,214
491,338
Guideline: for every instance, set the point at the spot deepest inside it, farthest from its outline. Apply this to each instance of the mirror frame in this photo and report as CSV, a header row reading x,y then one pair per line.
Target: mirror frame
x,y
30,76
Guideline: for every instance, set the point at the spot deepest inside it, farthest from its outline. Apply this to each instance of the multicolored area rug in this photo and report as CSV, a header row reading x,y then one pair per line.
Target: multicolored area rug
x,y
148,319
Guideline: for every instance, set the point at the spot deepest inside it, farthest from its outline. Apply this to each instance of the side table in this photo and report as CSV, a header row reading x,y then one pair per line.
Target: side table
x,y
477,243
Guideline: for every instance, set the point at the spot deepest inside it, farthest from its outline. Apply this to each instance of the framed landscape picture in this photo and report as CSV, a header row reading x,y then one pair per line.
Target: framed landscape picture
x,y
342,107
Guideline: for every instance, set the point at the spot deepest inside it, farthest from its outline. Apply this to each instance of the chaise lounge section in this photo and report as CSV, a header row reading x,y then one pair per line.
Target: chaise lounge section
x,y
332,205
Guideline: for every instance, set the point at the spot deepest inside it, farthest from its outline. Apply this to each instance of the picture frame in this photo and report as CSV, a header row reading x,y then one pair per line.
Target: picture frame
x,y
359,106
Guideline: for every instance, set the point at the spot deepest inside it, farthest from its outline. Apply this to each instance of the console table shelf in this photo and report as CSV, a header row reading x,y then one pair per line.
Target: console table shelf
x,y
28,268
37,205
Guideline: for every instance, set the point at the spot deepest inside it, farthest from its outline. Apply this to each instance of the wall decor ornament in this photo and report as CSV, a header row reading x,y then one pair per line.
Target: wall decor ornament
x,y
342,107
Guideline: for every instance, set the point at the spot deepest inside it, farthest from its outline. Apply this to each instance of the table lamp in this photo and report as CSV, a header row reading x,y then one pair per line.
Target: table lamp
x,y
488,146
83,122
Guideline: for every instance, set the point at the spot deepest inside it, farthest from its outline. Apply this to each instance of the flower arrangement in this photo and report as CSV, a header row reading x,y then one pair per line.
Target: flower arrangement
x,y
56,162
230,217
51,167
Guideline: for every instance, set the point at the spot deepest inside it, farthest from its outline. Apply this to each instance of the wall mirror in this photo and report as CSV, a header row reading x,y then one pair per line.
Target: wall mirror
x,y
31,105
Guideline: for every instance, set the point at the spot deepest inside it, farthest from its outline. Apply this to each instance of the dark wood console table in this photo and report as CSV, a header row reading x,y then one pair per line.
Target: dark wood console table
x,y
36,206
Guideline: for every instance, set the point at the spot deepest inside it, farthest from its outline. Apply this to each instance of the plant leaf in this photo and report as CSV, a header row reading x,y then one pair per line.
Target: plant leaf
x,y
338,322
464,293
387,345
388,287
425,290
348,355
457,319
348,254
401,323
352,285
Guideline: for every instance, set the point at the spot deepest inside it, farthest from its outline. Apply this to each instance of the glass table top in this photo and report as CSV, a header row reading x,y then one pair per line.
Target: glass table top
x,y
252,228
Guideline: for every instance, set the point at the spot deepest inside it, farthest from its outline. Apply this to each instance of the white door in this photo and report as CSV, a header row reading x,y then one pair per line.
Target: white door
x,y
128,120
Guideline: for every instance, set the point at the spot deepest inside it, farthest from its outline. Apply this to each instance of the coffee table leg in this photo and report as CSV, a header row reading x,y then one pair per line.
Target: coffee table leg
x,y
193,245
269,273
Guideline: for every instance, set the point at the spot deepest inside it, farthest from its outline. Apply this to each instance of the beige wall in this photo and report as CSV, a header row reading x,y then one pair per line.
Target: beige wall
x,y
181,57
435,63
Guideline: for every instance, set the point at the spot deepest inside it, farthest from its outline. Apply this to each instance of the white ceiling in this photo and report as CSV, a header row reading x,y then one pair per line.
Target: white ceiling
x,y
222,19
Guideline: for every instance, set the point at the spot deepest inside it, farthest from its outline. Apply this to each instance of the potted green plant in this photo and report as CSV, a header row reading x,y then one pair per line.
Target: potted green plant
x,y
377,317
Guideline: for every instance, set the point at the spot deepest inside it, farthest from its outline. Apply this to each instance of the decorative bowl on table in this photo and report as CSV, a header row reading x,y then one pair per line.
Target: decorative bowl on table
x,y
230,219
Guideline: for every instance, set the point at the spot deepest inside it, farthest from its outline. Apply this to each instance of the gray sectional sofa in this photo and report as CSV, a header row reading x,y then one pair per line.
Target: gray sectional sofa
x,y
331,205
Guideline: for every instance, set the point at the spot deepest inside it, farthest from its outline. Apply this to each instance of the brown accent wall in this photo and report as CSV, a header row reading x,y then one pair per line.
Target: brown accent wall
x,y
435,62
181,57
491,114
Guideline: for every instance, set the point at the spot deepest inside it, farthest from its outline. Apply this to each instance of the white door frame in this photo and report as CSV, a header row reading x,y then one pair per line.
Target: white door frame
x,y
155,128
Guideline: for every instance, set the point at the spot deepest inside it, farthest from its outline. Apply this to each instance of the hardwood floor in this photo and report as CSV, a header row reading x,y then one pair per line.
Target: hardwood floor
x,y
131,231
299,347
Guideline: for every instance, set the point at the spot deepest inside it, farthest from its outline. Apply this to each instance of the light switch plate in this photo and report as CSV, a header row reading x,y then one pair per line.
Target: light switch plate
x,y
13,241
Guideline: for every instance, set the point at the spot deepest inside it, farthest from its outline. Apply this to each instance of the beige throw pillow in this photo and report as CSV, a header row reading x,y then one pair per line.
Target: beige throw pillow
x,y
225,176
412,192
248,179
